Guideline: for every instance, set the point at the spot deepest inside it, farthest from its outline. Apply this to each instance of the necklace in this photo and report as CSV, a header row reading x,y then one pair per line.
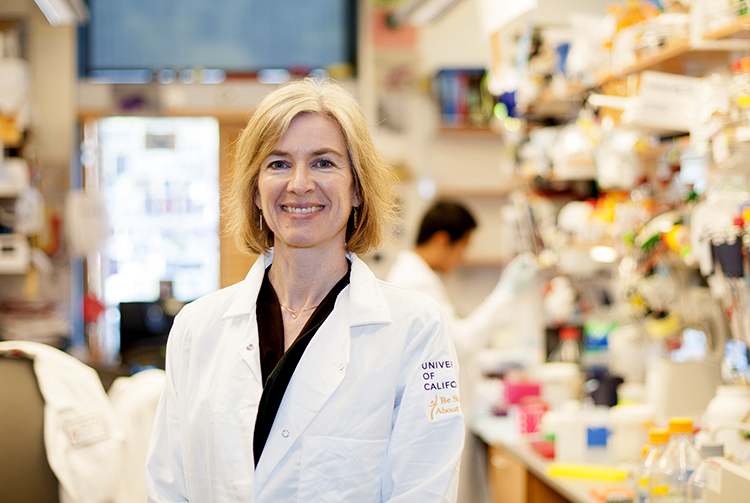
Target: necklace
x,y
295,313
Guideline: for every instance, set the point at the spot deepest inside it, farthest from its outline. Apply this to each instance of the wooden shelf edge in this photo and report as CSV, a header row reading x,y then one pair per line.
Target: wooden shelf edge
x,y
673,50
221,115
465,131
739,25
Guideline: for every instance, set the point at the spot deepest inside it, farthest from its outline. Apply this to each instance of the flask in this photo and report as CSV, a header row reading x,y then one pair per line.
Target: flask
x,y
568,349
676,464
658,438
697,481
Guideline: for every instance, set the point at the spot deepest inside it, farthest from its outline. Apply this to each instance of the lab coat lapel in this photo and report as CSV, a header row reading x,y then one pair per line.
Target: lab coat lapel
x,y
244,306
319,373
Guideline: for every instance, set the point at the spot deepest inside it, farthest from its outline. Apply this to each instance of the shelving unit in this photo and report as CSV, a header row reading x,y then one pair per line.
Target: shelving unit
x,y
740,28
679,57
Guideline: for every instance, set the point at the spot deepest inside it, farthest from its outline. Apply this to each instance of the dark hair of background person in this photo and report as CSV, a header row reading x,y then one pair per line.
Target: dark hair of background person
x,y
447,216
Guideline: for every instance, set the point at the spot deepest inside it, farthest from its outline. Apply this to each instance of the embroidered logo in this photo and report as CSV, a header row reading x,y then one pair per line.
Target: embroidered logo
x,y
444,405
431,383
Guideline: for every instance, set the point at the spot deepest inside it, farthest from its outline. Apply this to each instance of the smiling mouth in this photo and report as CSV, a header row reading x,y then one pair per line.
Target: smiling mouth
x,y
308,209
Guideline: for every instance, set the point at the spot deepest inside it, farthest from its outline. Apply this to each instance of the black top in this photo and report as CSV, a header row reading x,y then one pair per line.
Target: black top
x,y
277,367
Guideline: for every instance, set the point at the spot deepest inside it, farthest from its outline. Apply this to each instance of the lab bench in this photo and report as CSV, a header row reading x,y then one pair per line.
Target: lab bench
x,y
518,473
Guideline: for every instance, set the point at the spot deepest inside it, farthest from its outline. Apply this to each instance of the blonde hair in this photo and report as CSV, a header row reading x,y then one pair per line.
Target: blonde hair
x,y
374,179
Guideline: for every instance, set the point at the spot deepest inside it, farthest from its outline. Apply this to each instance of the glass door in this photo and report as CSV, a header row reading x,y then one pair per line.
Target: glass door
x,y
160,181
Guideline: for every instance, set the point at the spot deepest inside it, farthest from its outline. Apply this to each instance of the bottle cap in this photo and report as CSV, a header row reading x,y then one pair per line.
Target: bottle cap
x,y
712,450
681,425
658,435
569,333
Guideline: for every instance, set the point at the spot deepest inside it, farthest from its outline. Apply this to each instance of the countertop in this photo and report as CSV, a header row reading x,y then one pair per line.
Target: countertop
x,y
500,431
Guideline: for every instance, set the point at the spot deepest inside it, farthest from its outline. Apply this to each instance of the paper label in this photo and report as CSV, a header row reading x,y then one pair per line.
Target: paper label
x,y
713,477
720,147
87,430
667,100
742,133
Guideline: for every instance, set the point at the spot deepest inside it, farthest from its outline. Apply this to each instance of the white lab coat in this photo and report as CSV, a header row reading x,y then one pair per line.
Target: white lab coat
x,y
371,413
470,334
135,399
84,440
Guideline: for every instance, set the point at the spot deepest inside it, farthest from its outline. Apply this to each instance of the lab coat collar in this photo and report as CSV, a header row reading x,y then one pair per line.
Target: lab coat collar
x,y
244,302
367,304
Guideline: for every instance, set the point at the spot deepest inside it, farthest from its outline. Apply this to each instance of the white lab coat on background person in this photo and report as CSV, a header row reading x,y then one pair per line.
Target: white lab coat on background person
x,y
84,440
470,334
371,414
135,399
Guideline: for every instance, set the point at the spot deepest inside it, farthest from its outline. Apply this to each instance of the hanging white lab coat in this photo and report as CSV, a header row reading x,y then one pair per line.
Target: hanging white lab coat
x,y
470,334
135,399
371,414
84,440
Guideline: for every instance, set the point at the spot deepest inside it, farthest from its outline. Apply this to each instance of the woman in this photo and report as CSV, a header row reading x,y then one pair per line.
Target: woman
x,y
310,380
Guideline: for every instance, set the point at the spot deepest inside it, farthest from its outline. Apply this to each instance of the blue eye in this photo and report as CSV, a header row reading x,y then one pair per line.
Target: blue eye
x,y
325,163
277,165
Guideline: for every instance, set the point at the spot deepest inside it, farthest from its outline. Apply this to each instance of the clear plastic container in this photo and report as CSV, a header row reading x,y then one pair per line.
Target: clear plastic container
x,y
697,482
676,464
658,438
568,350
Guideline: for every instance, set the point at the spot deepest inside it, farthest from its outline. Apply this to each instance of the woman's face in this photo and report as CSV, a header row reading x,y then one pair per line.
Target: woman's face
x,y
305,186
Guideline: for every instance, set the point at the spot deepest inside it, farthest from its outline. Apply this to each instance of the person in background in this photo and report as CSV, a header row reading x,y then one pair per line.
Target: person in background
x,y
310,380
444,234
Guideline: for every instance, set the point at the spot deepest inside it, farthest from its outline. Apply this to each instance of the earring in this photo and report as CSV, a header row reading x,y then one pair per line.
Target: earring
x,y
355,216
260,220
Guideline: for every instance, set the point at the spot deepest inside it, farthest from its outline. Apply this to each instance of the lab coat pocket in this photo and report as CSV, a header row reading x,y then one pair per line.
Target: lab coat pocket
x,y
340,470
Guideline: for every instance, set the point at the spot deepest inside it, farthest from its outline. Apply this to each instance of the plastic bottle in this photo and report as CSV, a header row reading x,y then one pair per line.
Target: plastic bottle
x,y
676,464
697,481
737,89
568,349
570,433
658,438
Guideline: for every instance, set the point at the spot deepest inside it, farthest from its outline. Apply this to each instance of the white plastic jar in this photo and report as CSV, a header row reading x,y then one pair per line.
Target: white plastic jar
x,y
559,382
629,425
730,405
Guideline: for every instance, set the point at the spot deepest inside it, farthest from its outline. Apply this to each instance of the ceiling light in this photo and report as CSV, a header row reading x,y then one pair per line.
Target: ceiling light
x,y
421,12
64,12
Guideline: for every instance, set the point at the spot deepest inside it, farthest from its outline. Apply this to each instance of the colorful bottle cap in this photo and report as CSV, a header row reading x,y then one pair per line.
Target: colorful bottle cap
x,y
681,425
569,333
658,435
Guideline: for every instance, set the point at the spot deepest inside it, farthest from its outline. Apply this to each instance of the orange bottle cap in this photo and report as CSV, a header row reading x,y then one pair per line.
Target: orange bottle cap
x,y
658,435
681,425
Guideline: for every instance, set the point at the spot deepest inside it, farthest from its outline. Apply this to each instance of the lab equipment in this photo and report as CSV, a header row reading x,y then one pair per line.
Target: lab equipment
x,y
676,464
658,440
697,482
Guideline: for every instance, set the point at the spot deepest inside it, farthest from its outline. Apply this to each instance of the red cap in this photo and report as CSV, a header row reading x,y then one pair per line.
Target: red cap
x,y
569,333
